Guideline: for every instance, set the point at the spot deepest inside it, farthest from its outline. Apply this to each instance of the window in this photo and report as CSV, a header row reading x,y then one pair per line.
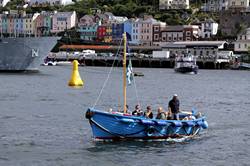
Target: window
x,y
194,52
233,3
188,33
245,45
239,45
156,36
207,52
242,3
201,52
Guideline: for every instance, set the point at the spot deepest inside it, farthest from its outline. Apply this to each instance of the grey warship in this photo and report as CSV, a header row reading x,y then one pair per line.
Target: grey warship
x,y
24,53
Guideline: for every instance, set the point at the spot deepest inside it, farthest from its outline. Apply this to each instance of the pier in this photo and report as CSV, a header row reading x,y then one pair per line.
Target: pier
x,y
141,62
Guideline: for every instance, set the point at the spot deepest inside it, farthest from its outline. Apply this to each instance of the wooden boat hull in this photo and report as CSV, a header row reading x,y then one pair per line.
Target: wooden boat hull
x,y
106,126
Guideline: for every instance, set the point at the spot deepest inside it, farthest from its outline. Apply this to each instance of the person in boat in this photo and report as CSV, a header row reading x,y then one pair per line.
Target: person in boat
x,y
127,110
161,114
148,113
137,111
174,107
199,115
189,117
169,116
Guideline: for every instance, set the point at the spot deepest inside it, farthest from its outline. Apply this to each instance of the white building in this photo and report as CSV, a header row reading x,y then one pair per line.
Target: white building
x,y
173,4
200,49
51,2
62,21
208,28
215,5
238,3
243,41
3,2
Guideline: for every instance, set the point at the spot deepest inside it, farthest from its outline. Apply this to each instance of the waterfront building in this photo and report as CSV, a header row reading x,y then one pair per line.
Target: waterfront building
x,y
117,31
200,49
4,24
18,25
165,34
208,28
47,23
88,32
10,22
29,24
62,21
86,20
242,43
88,28
242,4
101,33
39,23
108,34
173,4
215,5
128,29
145,29
104,33
101,18
142,30
157,29
135,31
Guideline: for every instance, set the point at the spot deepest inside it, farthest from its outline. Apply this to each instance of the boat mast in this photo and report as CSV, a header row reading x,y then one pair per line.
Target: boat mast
x,y
124,73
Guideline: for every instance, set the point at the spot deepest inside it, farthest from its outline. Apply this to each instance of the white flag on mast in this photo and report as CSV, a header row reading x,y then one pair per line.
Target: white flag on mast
x,y
129,72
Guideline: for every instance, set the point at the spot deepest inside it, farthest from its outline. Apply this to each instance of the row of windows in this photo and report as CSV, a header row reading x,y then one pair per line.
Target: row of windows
x,y
135,37
88,33
196,52
20,32
16,20
243,37
244,45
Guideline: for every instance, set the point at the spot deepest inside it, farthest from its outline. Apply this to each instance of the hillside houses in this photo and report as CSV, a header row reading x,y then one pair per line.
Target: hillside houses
x,y
242,44
105,27
44,23
48,2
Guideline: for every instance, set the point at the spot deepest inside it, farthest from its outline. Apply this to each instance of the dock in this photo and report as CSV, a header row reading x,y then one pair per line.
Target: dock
x,y
141,62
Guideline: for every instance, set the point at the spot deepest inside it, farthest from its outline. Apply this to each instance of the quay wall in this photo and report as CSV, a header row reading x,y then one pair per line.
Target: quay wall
x,y
141,62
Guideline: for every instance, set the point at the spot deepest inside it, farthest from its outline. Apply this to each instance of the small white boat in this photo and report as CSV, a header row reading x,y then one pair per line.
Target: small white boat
x,y
186,63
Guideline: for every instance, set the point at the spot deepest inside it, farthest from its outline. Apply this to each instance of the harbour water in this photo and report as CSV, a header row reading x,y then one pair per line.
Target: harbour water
x,y
42,119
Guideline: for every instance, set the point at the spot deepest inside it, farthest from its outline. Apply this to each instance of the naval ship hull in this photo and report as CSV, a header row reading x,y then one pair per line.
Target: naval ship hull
x,y
22,54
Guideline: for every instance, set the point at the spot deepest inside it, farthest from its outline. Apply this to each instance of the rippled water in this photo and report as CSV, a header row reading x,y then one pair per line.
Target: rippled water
x,y
42,119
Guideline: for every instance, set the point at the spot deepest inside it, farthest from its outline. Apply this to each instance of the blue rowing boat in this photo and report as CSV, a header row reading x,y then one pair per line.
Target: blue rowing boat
x,y
122,125
116,125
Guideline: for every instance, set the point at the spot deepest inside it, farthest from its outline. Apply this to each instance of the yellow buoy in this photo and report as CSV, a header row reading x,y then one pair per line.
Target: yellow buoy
x,y
75,77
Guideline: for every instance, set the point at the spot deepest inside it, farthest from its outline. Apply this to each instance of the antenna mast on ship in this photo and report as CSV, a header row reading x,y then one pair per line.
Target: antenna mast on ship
x,y
124,73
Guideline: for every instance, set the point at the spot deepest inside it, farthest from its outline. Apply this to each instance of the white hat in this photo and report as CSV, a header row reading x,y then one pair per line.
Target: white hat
x,y
175,95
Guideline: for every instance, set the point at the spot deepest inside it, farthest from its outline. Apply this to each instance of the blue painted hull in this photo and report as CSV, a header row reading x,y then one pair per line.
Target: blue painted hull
x,y
119,126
